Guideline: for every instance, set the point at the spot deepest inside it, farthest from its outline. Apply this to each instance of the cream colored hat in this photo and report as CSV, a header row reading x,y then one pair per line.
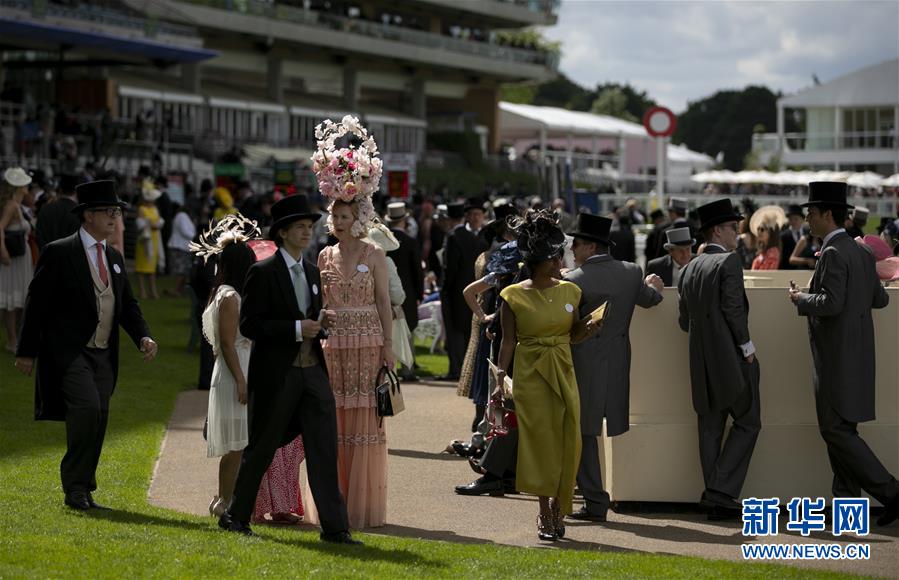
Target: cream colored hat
x,y
16,177
383,237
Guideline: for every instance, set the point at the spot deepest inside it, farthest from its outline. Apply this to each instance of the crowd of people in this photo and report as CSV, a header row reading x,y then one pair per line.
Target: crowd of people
x,y
303,310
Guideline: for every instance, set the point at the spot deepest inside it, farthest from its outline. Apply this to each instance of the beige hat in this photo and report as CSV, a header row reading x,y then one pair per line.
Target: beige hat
x,y
383,237
16,177
396,211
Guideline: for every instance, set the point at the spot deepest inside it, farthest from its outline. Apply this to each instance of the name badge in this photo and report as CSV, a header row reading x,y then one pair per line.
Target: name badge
x,y
569,308
116,268
315,289
362,268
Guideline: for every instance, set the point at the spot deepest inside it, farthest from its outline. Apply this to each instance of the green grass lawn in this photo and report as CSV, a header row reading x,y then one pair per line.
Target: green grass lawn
x,y
41,538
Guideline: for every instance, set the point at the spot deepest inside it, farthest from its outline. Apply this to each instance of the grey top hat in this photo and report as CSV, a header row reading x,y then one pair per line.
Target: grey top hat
x,y
396,211
678,237
678,203
860,215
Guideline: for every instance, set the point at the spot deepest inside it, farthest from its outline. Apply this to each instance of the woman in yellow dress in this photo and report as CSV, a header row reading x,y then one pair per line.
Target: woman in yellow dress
x,y
148,256
539,321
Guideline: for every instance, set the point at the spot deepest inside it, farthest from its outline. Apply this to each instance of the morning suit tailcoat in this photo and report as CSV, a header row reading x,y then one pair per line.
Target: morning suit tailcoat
x,y
61,317
663,267
268,316
56,221
655,241
787,245
462,248
844,289
715,311
408,266
602,363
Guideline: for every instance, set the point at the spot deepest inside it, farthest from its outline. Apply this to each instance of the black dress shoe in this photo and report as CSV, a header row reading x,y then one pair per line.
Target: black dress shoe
x,y
890,512
78,500
723,514
712,499
480,486
585,516
227,523
409,377
343,537
94,505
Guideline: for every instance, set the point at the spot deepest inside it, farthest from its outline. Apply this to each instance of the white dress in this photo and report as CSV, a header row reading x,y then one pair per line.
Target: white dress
x,y
15,278
227,429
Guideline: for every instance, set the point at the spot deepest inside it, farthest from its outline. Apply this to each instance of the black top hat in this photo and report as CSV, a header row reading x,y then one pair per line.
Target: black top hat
x,y
504,210
68,182
288,210
717,212
827,193
97,194
455,211
594,228
474,203
656,214
794,209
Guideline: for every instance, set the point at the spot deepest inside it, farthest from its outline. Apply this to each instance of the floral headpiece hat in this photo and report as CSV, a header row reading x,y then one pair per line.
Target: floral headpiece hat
x,y
351,173
230,229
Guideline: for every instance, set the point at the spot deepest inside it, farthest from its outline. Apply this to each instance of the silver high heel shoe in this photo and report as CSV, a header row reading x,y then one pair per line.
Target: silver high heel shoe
x,y
216,507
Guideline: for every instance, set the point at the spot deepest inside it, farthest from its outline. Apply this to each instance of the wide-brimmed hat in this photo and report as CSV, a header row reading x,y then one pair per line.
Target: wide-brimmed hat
x,y
17,177
99,193
678,237
594,228
772,217
885,263
828,193
717,212
290,209
383,237
396,211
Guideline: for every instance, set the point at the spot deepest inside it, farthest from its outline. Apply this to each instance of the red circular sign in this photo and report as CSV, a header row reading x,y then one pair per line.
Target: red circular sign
x,y
659,122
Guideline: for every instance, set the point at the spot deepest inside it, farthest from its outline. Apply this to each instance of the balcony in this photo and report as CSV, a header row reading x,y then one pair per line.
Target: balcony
x,y
870,147
357,35
511,12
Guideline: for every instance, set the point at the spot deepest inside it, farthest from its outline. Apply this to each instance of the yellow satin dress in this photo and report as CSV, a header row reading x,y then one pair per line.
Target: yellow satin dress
x,y
547,404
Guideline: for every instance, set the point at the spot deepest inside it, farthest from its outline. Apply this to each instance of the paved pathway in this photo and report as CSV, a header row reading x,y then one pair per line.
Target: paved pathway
x,y
422,504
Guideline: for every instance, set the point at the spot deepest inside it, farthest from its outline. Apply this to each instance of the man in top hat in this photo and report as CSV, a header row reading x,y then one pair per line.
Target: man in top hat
x,y
791,235
287,381
680,251
844,289
56,219
461,248
677,218
77,300
856,222
724,371
408,266
602,363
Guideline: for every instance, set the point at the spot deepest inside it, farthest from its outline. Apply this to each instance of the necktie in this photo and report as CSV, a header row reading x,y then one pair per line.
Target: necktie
x,y
101,266
299,288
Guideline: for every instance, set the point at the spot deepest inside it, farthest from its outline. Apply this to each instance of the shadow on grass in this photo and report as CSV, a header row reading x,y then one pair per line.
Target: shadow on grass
x,y
671,533
367,552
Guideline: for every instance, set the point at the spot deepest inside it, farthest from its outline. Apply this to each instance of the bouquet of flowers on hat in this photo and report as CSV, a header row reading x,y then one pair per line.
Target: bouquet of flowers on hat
x,y
349,173
232,228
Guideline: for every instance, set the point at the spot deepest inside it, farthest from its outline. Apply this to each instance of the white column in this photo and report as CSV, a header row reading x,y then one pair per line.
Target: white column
x,y
543,170
780,127
660,170
622,157
837,129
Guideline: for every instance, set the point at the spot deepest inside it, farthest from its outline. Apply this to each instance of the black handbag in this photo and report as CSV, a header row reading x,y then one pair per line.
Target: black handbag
x,y
388,393
15,242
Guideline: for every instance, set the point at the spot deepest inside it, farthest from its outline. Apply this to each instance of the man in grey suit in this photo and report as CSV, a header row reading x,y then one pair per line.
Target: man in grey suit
x,y
724,372
602,364
844,289
680,251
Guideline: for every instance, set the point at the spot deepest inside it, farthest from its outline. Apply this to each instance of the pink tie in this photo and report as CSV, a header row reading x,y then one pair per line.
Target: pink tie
x,y
101,266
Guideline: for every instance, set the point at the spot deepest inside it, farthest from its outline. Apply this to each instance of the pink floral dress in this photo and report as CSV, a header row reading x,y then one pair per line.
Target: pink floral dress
x,y
353,356
279,491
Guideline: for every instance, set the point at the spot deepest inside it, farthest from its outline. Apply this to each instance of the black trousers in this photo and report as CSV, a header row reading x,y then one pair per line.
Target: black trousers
x,y
724,469
500,459
304,405
855,467
86,387
589,477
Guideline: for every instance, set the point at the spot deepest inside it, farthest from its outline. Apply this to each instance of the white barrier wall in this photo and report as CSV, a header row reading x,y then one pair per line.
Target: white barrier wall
x,y
658,459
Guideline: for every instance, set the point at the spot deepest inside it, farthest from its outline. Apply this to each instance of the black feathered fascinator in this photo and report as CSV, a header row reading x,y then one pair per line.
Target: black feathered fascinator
x,y
539,236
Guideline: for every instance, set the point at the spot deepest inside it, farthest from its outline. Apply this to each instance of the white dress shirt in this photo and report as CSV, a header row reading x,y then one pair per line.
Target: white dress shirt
x,y
90,248
290,263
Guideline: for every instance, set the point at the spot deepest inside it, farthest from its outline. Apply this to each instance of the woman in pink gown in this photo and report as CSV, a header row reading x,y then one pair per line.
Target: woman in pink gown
x,y
279,491
354,276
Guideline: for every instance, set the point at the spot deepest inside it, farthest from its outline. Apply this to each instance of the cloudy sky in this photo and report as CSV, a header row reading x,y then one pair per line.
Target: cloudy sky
x,y
680,51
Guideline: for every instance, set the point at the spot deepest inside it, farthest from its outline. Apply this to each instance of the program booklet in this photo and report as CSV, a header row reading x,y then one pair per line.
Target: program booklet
x,y
600,313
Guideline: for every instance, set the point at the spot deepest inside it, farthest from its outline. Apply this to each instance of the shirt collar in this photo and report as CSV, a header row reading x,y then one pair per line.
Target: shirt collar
x,y
717,246
597,258
289,259
830,236
471,229
88,240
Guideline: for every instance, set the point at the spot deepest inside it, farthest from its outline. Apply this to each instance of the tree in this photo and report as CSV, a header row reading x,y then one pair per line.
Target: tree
x,y
612,101
724,122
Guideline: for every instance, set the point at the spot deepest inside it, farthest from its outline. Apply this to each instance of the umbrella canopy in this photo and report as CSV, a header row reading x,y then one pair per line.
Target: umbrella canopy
x,y
865,179
891,181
